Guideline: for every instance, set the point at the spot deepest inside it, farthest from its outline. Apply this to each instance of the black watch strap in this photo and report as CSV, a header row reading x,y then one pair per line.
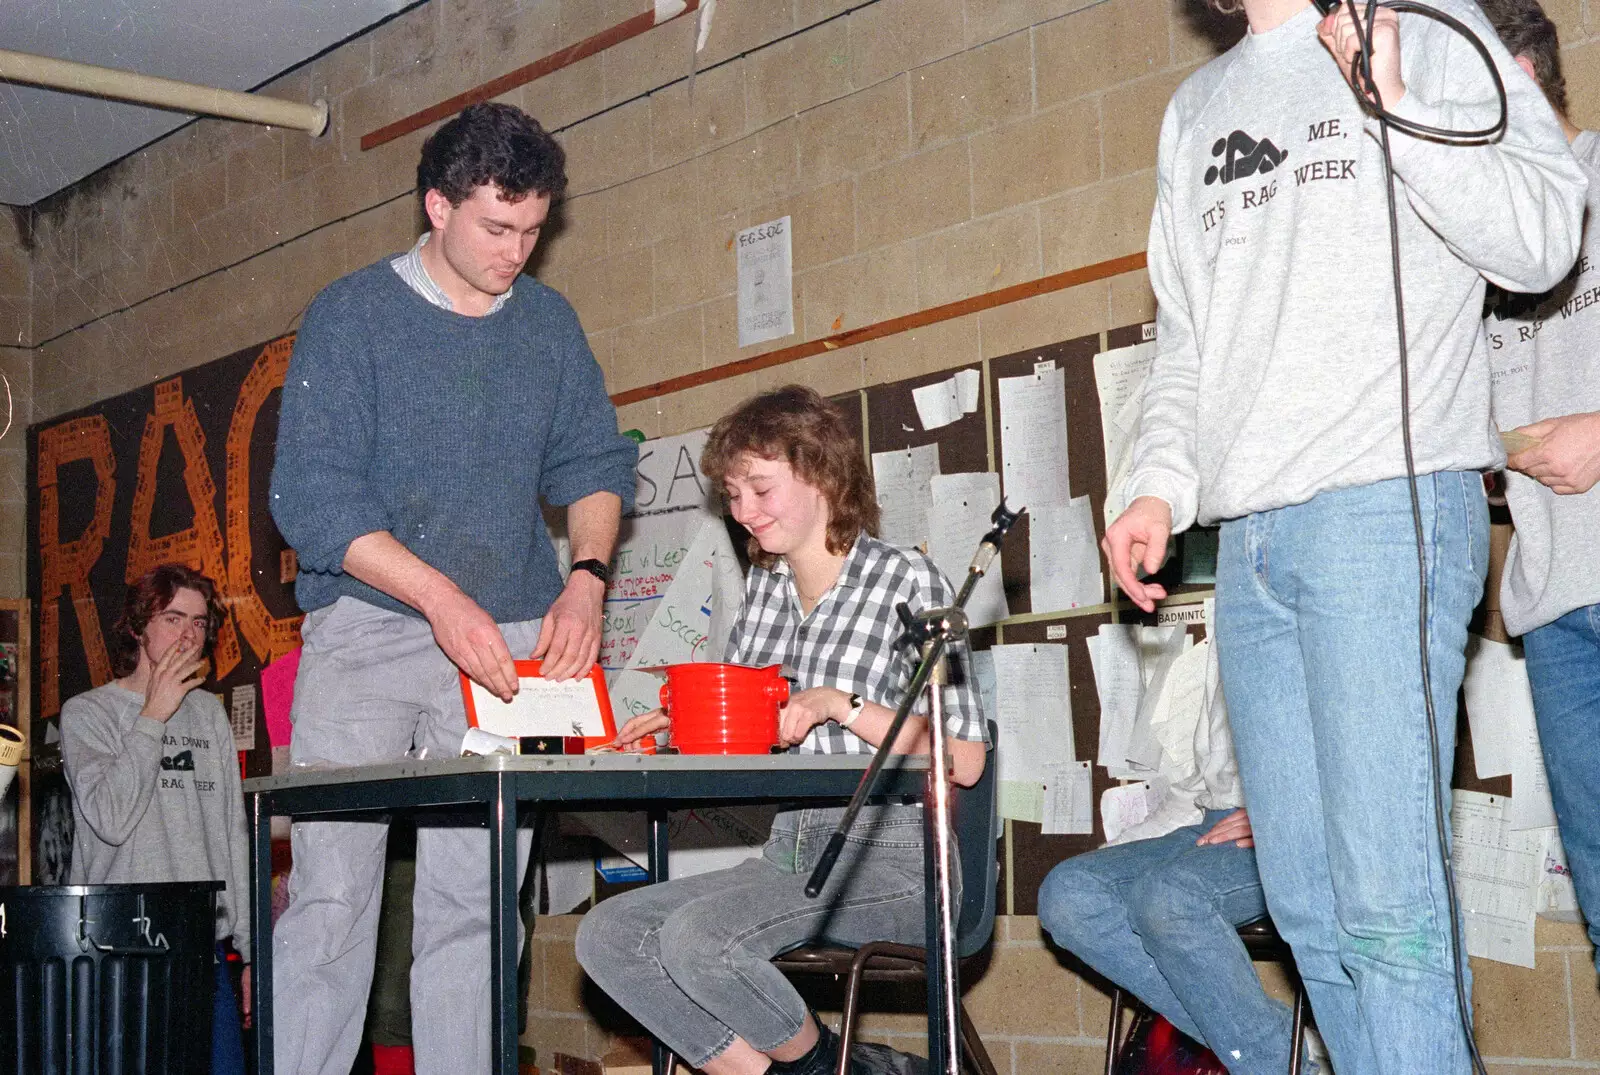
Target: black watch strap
x,y
597,568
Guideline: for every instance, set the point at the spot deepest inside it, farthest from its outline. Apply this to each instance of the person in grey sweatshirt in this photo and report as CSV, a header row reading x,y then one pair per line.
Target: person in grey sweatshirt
x,y
1273,406
1542,350
154,779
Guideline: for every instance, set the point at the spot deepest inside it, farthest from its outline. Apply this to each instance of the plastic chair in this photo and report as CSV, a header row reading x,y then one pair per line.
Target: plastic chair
x,y
1261,940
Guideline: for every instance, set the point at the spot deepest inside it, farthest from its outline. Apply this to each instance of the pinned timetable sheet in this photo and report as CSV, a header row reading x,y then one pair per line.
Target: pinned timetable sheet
x,y
1033,711
905,498
965,503
1033,437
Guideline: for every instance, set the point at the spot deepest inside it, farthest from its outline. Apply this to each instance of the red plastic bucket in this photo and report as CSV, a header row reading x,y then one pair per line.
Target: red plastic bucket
x,y
723,708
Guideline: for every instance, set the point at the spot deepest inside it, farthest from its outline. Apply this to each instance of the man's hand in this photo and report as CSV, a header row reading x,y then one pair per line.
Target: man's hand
x,y
245,996
472,640
180,670
642,725
1567,457
569,637
1137,539
1338,33
1235,828
808,709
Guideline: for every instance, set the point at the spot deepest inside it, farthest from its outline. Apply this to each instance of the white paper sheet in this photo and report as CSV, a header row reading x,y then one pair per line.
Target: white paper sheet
x,y
1498,871
1063,556
1033,710
1557,899
937,404
983,675
541,707
1530,806
1119,376
969,382
1068,799
1021,800
1125,806
765,273
242,716
964,504
668,9
1499,703
1114,654
904,497
1159,649
1033,438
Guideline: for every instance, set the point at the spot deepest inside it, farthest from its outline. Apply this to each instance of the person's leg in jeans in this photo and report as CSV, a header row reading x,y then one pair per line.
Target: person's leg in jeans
x,y
227,1035
1160,918
1263,680
1564,669
1345,564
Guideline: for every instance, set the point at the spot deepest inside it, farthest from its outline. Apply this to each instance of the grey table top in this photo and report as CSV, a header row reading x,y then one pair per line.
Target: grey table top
x,y
579,763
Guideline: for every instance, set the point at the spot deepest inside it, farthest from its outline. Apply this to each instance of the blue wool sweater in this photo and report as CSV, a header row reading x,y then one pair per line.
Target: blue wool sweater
x,y
444,430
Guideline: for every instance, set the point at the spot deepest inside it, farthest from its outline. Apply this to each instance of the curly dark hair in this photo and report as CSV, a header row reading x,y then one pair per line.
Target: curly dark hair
x,y
1526,30
796,424
148,598
492,143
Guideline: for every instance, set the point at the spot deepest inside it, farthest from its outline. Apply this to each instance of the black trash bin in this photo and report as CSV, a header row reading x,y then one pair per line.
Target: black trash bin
x,y
107,979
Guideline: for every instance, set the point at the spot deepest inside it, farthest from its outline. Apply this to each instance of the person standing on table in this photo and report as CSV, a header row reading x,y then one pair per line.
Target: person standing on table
x,y
1273,406
689,959
432,399
154,778
1545,352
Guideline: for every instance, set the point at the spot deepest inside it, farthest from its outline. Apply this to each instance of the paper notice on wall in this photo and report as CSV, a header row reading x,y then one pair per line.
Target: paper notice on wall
x,y
1063,556
905,497
1033,710
766,290
1499,704
943,402
1114,655
242,716
965,502
1033,438
1120,376
1557,899
1020,800
669,9
684,628
1128,805
1498,871
1068,799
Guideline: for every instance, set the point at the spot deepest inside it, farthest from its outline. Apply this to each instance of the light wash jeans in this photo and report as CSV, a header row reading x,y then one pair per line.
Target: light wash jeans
x,y
371,684
1160,918
1317,639
690,959
1564,668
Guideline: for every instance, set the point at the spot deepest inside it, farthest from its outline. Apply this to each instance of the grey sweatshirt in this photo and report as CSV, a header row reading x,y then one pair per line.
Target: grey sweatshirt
x,y
157,802
1276,375
1545,354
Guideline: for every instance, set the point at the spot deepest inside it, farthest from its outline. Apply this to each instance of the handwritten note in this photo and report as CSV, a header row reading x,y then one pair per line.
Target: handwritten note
x,y
964,504
1033,437
541,707
904,498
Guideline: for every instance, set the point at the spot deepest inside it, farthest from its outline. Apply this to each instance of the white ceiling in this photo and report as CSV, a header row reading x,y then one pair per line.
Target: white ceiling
x,y
49,140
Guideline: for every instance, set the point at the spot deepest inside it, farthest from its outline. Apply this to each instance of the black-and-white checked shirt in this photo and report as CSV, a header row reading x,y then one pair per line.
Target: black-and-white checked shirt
x,y
848,641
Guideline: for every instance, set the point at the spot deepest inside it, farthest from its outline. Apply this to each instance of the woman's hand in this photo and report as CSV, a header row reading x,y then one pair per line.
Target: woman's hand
x,y
1235,828
180,670
808,709
642,725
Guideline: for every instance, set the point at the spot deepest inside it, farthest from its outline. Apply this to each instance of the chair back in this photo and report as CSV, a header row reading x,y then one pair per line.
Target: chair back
x,y
974,826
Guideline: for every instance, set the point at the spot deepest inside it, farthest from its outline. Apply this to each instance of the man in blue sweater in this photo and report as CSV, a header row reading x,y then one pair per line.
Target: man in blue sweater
x,y
432,399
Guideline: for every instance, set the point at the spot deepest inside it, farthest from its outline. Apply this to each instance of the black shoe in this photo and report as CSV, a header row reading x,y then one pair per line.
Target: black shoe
x,y
870,1058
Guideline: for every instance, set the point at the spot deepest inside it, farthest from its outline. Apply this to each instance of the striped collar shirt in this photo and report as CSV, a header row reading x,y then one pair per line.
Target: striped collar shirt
x,y
410,269
848,640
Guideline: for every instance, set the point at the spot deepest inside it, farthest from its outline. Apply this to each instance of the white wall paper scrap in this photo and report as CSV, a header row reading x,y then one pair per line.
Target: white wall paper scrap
x,y
766,278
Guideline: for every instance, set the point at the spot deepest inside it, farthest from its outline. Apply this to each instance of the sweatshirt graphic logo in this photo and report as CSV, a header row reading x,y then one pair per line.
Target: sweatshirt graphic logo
x,y
1244,157
181,762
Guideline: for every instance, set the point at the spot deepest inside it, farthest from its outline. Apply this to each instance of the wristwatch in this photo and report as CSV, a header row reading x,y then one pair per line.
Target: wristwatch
x,y
597,568
857,704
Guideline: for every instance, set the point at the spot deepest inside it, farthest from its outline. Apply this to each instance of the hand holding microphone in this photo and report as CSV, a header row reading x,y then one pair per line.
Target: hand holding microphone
x,y
1341,36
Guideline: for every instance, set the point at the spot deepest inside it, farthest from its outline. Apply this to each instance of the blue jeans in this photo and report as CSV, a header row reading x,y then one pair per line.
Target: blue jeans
x,y
1160,918
690,959
227,1042
1564,669
1317,642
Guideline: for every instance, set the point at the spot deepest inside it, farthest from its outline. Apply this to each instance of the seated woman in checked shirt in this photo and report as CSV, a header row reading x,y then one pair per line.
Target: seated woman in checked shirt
x,y
690,958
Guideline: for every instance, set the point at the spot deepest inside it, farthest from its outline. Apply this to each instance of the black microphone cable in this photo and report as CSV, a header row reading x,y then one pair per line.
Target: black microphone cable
x,y
1372,102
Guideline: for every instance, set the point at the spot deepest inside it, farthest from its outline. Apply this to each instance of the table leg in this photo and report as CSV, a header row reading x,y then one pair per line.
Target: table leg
x,y
932,945
503,927
261,929
657,864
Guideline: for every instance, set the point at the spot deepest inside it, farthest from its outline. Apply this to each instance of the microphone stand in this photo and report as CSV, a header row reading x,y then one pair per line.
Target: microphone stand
x,y
931,631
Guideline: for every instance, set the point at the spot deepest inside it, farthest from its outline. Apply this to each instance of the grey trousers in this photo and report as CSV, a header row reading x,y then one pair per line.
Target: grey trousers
x,y
689,959
372,684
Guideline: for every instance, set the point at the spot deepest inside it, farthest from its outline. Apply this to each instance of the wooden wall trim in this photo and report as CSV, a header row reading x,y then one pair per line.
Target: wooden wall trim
x,y
932,315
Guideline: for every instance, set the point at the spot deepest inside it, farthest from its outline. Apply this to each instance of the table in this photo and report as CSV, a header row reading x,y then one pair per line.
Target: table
x,y
499,784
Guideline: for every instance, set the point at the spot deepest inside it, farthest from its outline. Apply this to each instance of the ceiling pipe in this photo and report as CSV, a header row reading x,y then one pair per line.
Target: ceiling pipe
x,y
161,92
